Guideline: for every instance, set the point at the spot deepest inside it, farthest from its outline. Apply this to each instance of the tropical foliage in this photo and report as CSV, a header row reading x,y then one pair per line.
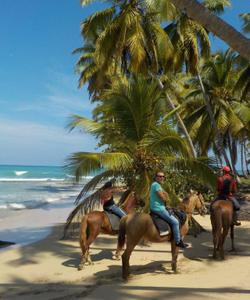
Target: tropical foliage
x,y
163,100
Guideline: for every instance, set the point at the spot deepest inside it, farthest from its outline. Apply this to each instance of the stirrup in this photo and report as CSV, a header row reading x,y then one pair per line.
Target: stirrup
x,y
162,233
236,223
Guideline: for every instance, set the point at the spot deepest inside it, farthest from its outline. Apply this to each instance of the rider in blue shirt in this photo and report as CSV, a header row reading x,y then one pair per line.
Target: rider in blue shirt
x,y
158,202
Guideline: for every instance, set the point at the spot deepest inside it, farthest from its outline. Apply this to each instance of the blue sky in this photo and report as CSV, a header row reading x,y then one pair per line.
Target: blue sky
x,y
38,85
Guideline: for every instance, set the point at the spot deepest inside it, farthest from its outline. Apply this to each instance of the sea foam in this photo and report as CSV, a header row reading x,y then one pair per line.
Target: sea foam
x,y
20,173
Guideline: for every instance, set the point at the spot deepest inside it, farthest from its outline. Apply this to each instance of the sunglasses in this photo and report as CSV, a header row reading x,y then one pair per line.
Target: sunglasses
x,y
161,176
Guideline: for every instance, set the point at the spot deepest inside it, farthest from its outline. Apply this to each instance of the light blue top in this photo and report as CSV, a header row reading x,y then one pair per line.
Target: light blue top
x,y
156,203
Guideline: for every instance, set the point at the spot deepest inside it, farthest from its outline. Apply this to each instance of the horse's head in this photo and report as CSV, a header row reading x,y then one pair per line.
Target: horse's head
x,y
198,202
139,202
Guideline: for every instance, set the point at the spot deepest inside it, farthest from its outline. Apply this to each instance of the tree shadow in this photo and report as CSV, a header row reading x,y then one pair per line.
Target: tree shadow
x,y
202,246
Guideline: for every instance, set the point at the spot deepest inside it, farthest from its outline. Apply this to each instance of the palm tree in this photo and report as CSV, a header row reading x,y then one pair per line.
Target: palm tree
x,y
246,22
232,117
129,44
138,140
211,22
191,42
216,25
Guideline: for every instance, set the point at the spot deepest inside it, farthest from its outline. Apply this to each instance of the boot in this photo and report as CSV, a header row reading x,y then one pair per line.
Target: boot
x,y
236,222
181,244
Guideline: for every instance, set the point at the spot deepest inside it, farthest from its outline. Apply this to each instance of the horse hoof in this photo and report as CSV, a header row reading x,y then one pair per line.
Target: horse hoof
x,y
116,257
174,269
125,277
80,267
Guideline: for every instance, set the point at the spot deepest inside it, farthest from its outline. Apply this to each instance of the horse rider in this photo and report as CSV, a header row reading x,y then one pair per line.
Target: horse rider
x,y
106,197
158,205
226,188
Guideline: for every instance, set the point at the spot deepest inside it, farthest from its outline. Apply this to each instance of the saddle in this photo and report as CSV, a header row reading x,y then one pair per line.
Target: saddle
x,y
163,226
114,220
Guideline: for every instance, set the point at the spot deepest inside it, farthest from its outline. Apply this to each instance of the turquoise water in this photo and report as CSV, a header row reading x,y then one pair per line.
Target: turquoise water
x,y
27,187
32,173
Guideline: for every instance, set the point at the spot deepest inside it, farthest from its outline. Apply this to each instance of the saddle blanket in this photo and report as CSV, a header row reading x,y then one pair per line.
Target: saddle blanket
x,y
160,224
163,226
114,220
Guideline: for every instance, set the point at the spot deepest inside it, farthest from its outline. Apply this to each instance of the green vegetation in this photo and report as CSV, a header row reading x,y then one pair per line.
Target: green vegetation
x,y
163,100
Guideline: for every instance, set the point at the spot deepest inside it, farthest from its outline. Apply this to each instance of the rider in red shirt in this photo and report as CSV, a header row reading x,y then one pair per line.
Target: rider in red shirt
x,y
226,188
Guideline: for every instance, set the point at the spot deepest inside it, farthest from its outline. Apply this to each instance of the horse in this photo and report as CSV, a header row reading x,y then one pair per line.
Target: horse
x,y
97,222
221,217
137,226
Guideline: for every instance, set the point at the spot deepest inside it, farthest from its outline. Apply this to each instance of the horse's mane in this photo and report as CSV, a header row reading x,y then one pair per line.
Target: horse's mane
x,y
124,197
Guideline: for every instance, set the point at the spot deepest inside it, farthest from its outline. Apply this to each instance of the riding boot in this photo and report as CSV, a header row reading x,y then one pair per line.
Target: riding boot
x,y
236,222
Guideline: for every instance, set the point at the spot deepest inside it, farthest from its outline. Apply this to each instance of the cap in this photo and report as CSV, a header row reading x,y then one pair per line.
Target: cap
x,y
226,169
107,185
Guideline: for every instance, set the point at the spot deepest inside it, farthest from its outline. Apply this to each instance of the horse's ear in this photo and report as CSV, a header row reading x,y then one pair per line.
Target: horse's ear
x,y
198,193
191,191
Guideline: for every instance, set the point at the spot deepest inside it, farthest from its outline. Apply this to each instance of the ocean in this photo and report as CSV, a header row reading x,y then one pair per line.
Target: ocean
x,y
29,187
33,199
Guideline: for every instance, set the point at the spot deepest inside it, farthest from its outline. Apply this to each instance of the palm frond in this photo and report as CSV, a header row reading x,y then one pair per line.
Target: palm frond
x,y
246,22
87,124
84,163
216,6
202,167
93,183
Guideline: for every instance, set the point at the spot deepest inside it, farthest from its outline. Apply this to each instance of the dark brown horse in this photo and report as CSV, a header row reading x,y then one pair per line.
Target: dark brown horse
x,y
97,222
222,220
135,227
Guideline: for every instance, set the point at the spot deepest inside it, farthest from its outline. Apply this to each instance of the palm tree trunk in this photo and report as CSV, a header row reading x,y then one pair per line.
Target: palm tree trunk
x,y
242,158
216,25
245,154
231,148
220,149
181,123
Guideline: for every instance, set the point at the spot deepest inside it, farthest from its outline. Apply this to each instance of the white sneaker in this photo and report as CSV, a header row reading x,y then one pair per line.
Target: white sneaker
x,y
162,233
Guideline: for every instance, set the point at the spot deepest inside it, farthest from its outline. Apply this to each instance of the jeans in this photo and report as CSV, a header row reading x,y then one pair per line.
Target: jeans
x,y
116,210
165,215
236,203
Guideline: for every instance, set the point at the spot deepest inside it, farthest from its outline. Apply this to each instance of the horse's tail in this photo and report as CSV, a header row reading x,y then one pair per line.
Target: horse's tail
x,y
217,225
83,233
122,232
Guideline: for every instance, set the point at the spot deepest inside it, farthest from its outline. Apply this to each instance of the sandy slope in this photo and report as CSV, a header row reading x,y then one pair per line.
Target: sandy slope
x,y
48,270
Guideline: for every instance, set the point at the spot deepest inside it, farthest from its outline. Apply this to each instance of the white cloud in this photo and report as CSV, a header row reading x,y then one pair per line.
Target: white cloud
x,y
60,98
33,143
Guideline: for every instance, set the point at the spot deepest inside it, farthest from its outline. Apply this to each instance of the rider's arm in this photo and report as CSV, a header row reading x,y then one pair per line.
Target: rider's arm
x,y
219,184
163,195
233,187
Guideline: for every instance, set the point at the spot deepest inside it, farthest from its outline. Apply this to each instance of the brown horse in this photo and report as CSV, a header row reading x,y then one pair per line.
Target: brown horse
x,y
135,227
222,220
97,222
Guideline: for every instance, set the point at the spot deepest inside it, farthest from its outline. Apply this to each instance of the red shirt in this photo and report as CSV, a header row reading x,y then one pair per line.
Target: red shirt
x,y
221,183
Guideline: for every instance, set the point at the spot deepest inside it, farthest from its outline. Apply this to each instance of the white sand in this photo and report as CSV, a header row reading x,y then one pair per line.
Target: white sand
x,y
48,270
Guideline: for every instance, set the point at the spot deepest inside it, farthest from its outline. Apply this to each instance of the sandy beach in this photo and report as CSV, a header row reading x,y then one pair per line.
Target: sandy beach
x,y
47,269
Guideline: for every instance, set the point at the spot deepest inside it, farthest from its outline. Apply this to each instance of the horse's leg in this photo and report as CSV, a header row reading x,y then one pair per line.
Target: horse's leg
x,y
216,240
83,241
130,245
222,241
232,238
121,239
117,254
174,251
94,231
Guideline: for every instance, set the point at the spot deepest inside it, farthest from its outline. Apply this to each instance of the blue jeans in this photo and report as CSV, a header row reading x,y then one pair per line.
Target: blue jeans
x,y
236,203
165,215
116,210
